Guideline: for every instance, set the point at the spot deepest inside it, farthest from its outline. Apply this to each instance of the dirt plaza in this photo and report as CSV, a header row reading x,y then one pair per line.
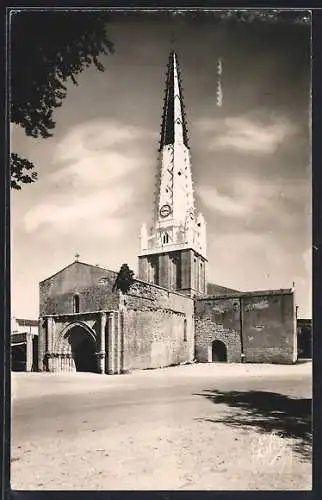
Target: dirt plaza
x,y
192,427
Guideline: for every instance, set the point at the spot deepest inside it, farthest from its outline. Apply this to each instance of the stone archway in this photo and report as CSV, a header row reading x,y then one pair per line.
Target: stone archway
x,y
77,345
219,351
83,349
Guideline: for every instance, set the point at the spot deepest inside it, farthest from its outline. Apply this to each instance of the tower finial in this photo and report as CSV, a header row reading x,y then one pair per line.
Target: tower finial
x,y
172,41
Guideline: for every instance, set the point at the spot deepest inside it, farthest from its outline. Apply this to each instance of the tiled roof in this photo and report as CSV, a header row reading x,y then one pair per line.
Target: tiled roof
x,y
213,289
26,322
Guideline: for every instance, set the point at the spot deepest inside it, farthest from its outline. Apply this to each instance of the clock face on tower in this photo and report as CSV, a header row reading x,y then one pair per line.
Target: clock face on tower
x,y
165,211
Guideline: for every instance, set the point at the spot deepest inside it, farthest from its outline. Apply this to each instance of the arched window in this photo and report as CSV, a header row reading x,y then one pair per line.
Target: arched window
x,y
76,303
165,238
201,282
185,330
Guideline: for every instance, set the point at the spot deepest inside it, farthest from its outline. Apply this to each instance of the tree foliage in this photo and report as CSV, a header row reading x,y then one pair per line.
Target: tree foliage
x,y
124,279
20,168
48,49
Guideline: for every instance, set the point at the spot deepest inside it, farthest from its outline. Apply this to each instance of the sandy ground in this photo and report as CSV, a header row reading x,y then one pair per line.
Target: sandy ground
x,y
195,427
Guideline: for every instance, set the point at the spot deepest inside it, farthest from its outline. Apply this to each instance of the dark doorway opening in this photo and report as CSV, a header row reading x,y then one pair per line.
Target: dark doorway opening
x,y
18,357
304,338
35,353
219,351
83,350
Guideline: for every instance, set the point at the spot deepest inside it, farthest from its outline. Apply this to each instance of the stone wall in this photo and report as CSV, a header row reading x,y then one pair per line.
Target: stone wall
x,y
92,284
269,327
183,271
217,319
158,327
153,327
58,335
257,326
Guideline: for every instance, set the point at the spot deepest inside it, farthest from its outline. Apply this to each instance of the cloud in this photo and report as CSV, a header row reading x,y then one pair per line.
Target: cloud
x,y
96,137
79,211
256,259
97,181
97,170
221,203
246,133
99,152
245,197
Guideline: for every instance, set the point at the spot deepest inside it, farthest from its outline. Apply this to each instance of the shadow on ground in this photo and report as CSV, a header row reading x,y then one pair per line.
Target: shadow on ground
x,y
302,361
268,412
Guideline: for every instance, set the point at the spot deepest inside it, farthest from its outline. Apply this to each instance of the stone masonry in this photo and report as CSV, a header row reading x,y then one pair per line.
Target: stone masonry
x,y
166,316
147,328
256,327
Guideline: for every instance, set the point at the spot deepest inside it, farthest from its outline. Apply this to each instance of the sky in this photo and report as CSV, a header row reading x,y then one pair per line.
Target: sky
x,y
251,157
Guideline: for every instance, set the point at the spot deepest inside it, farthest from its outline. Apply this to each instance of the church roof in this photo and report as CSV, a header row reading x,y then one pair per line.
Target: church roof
x,y
213,289
26,322
104,270
171,113
217,291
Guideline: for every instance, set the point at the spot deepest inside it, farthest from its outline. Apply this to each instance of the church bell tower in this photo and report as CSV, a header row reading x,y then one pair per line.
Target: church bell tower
x,y
173,251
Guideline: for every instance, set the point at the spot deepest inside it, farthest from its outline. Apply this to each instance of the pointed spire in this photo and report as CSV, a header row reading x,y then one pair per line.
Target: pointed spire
x,y
174,127
176,225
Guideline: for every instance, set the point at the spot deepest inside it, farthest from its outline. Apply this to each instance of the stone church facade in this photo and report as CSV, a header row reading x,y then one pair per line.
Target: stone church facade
x,y
86,326
170,314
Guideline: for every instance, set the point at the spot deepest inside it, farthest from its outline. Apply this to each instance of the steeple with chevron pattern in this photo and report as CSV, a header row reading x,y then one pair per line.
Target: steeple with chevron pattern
x,y
177,228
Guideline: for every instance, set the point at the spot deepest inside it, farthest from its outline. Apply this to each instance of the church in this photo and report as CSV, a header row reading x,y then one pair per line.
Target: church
x,y
170,314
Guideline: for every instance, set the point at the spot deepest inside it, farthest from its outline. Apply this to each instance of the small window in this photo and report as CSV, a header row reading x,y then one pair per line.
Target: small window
x,y
185,330
179,173
165,238
76,304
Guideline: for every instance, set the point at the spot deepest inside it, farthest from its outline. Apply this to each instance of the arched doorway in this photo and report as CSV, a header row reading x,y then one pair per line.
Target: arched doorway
x,y
83,348
219,351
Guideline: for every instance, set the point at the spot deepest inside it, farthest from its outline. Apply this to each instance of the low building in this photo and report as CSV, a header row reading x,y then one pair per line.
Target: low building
x,y
24,344
86,325
251,327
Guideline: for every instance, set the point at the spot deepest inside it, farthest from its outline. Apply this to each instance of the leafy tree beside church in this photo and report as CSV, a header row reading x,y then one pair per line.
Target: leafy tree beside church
x,y
124,279
48,49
